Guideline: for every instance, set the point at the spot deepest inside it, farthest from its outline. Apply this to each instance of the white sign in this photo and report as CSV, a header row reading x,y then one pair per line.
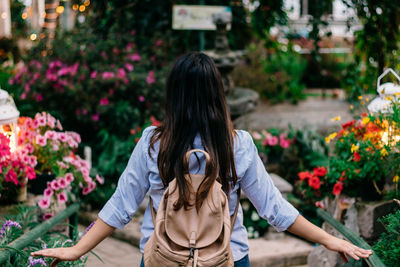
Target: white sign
x,y
185,17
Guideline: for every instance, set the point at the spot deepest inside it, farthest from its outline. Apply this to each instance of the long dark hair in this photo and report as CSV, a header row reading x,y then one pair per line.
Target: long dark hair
x,y
195,103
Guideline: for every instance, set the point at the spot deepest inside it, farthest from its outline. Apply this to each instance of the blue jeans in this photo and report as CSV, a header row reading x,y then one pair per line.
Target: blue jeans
x,y
243,262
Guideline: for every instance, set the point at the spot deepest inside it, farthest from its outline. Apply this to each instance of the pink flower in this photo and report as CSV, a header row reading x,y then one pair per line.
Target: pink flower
x,y
107,75
41,120
48,192
104,101
62,197
32,161
50,135
285,143
95,117
23,95
48,216
150,79
256,135
121,73
54,185
63,137
55,147
99,179
62,165
69,177
62,182
11,176
85,191
93,74
129,46
59,125
141,98
272,141
39,97
135,57
41,140
159,42
44,203
30,172
129,67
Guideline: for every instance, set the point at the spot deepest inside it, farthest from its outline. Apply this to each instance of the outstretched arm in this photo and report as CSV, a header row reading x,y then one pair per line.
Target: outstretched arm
x,y
303,228
91,239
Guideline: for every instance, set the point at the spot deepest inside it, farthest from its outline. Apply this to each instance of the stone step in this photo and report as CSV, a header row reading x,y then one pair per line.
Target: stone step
x,y
288,251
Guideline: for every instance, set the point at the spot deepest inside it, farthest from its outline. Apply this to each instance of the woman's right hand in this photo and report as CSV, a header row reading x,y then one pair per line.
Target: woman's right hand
x,y
60,254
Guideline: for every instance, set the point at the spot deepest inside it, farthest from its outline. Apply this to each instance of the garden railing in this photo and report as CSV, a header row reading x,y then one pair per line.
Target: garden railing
x,y
371,261
70,212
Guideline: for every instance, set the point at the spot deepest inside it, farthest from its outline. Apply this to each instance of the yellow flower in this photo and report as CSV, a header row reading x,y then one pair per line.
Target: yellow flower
x,y
337,118
360,97
368,136
351,107
332,135
385,124
389,98
384,152
396,179
397,94
365,120
354,148
329,138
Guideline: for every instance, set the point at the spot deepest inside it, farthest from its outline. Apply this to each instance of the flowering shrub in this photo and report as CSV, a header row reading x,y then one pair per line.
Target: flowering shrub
x,y
271,144
43,148
91,84
15,168
362,162
54,152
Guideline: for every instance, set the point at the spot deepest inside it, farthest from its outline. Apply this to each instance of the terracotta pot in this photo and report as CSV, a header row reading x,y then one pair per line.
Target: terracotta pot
x,y
22,193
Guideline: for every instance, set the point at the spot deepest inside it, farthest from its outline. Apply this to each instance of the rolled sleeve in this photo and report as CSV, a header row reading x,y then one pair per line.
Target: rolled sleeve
x,y
263,194
131,190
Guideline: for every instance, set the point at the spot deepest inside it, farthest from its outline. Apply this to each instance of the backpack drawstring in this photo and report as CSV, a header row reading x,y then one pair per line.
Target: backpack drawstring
x,y
193,252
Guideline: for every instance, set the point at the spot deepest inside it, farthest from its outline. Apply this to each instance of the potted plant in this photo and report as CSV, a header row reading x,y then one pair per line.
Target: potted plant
x,y
16,168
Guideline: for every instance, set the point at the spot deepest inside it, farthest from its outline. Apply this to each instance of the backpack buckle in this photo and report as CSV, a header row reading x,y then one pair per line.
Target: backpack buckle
x,y
191,252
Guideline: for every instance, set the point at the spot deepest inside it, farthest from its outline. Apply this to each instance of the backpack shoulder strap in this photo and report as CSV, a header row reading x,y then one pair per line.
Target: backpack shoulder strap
x,y
233,218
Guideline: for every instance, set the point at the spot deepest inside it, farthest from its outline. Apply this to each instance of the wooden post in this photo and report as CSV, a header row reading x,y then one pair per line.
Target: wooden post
x,y
37,14
5,19
50,19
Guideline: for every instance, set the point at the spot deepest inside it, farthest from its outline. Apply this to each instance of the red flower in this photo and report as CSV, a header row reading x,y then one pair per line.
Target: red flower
x,y
314,182
357,156
342,177
337,188
304,175
320,171
348,124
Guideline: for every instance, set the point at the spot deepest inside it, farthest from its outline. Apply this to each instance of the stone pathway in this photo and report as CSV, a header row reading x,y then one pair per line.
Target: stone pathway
x,y
114,253
315,112
118,250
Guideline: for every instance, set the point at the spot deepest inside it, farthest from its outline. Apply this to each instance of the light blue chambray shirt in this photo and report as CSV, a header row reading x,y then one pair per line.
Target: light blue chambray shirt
x,y
141,176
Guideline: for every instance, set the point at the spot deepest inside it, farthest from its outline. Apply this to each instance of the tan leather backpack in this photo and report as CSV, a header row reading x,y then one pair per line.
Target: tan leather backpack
x,y
187,237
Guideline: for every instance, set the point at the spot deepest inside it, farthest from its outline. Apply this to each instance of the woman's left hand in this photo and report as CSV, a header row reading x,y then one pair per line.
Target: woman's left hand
x,y
346,248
